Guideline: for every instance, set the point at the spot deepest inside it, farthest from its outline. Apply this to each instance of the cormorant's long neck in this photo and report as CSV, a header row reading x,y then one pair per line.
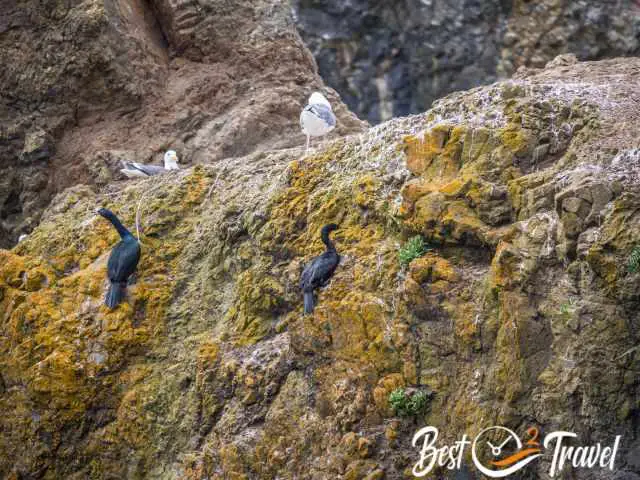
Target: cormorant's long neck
x,y
327,241
122,230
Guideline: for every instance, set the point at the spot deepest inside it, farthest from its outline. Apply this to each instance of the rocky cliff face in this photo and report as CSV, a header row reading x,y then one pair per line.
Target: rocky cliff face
x,y
523,313
86,85
394,58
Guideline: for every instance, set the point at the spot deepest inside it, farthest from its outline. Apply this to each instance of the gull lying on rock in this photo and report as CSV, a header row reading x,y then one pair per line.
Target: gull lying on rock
x,y
317,118
134,169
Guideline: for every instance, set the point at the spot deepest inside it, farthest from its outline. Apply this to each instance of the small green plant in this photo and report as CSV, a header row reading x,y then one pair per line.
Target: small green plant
x,y
419,402
414,248
406,405
568,307
633,263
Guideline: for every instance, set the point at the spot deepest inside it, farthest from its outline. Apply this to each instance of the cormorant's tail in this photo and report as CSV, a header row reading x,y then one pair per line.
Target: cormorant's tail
x,y
308,302
115,295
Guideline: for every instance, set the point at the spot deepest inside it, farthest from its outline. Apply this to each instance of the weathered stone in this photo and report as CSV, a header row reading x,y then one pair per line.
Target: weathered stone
x,y
85,79
210,370
394,58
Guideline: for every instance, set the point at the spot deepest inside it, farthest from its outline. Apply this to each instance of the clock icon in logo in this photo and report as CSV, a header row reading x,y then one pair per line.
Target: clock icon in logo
x,y
507,453
497,451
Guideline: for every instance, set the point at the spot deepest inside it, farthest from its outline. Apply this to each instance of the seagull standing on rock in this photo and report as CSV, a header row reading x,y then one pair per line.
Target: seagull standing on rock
x,y
134,169
317,118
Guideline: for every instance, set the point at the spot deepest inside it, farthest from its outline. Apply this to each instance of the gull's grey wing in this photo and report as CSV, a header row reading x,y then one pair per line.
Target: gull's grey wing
x,y
149,170
323,112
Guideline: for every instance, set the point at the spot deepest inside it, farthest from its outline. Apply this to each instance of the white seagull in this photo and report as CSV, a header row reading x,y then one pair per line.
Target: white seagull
x,y
317,118
134,169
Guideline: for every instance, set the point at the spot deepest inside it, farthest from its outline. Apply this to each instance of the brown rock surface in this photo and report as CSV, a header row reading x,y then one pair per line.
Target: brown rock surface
x,y
524,311
86,84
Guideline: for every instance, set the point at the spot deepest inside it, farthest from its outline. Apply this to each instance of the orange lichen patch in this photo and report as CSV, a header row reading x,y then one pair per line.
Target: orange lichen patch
x,y
428,211
232,462
208,354
466,324
80,249
24,273
58,378
480,193
259,297
515,311
462,223
415,294
478,142
457,187
89,282
362,240
605,266
462,175
381,392
505,266
365,188
135,374
417,188
515,139
447,221
468,413
437,155
131,425
209,365
357,325
431,268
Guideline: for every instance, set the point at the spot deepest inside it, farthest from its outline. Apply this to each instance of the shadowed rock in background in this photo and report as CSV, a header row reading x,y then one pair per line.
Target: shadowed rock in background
x,y
394,58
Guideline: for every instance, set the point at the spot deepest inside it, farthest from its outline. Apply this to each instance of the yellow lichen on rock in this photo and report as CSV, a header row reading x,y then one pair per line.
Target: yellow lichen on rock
x,y
210,370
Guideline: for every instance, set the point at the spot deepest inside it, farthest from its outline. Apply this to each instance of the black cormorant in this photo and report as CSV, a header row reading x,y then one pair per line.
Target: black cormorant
x,y
122,261
319,270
